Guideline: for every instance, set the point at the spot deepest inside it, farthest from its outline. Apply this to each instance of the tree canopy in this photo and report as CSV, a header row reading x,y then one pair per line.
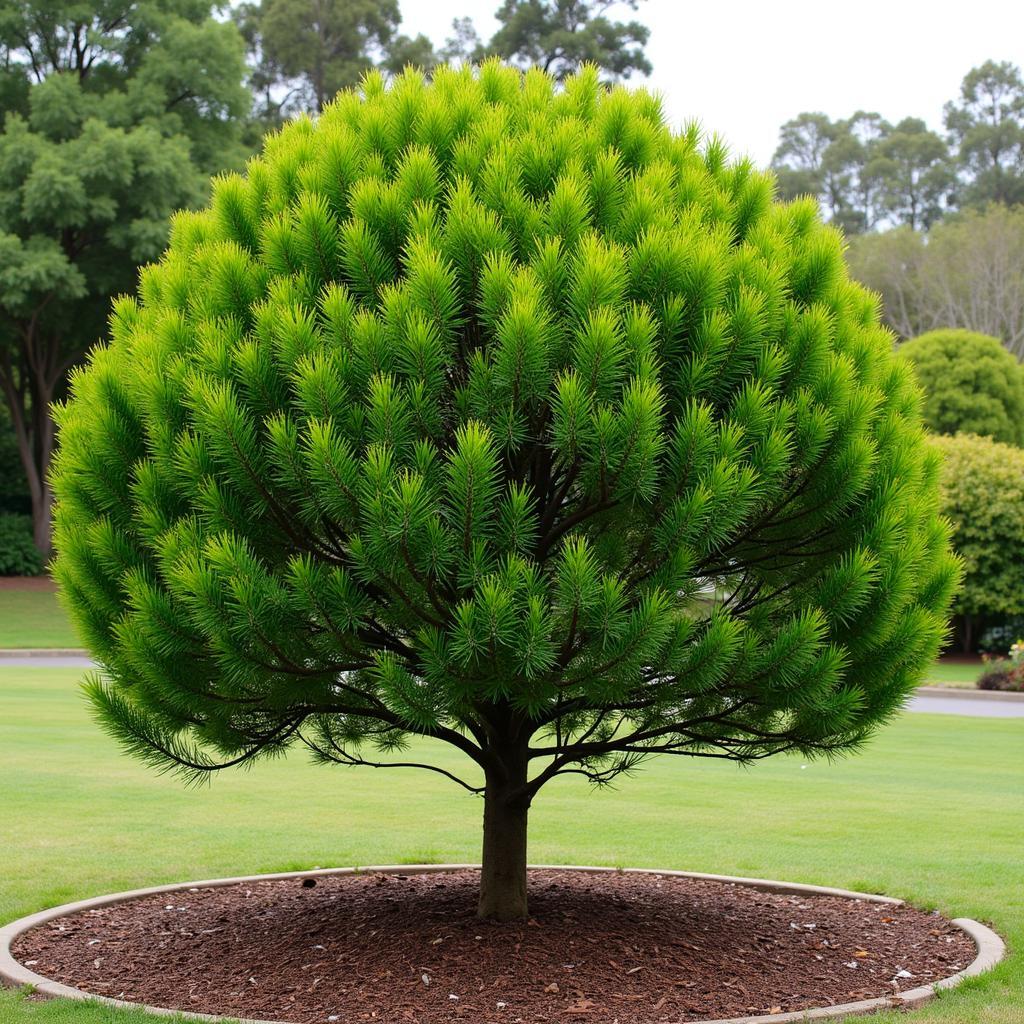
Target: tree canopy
x,y
865,171
971,384
304,52
560,36
869,173
497,413
114,116
986,123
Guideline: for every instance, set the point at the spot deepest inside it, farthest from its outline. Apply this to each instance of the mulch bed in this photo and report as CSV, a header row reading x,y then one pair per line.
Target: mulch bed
x,y
600,948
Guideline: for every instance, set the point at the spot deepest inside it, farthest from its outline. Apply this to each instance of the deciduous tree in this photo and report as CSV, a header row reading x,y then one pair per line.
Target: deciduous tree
x,y
967,272
115,113
495,413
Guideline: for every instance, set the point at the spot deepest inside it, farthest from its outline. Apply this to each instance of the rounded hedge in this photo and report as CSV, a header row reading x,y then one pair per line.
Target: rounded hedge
x,y
485,407
972,384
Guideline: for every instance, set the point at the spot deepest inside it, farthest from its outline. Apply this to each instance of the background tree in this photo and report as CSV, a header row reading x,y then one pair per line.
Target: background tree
x,y
983,496
916,175
987,126
304,51
968,272
496,413
971,384
838,162
115,113
559,36
799,160
868,174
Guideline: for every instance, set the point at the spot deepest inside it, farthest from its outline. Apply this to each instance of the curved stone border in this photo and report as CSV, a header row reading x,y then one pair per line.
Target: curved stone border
x,y
990,947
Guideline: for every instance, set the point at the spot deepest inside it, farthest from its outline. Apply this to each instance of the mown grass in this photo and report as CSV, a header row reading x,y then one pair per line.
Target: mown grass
x,y
34,618
958,675
932,811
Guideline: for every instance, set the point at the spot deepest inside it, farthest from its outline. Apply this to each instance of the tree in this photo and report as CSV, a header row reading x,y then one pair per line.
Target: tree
x,y
983,496
838,162
304,52
560,36
914,167
495,413
987,126
968,271
114,116
971,384
799,160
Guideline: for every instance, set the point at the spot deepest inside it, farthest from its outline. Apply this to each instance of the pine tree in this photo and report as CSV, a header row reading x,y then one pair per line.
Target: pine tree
x,y
495,412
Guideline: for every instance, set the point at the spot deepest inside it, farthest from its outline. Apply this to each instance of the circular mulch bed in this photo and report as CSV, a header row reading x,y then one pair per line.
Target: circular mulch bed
x,y
604,948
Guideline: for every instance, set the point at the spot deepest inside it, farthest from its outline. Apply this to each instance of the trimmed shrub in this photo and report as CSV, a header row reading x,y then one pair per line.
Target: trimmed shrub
x,y
495,412
972,384
18,554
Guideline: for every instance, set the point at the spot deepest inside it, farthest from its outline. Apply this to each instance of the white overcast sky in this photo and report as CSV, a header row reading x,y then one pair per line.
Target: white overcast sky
x,y
742,68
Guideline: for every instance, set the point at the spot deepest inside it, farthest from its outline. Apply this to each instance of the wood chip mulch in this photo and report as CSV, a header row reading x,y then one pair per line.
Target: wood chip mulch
x,y
599,948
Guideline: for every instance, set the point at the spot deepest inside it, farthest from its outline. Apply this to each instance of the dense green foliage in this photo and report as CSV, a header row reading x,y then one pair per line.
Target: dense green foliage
x,y
867,172
498,413
983,496
18,554
971,384
114,116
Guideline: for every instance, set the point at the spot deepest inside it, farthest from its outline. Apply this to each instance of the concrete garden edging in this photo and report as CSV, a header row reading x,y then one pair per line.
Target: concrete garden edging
x,y
990,947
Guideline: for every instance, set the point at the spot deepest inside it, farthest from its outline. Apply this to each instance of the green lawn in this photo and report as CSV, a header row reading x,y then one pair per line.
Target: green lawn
x,y
33,618
955,674
933,811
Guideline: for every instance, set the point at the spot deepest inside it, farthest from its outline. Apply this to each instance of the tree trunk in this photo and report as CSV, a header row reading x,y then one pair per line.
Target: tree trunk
x,y
28,398
503,874
968,636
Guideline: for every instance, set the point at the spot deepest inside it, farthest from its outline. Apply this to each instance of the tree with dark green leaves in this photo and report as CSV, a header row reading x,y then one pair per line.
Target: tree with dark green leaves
x,y
493,413
986,124
302,53
983,497
115,114
971,384
559,36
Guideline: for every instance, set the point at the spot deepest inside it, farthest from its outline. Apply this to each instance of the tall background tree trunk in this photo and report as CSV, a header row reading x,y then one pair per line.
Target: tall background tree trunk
x,y
503,874
28,397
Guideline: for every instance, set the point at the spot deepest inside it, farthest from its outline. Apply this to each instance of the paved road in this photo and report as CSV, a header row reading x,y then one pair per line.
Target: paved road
x,y
46,661
975,707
